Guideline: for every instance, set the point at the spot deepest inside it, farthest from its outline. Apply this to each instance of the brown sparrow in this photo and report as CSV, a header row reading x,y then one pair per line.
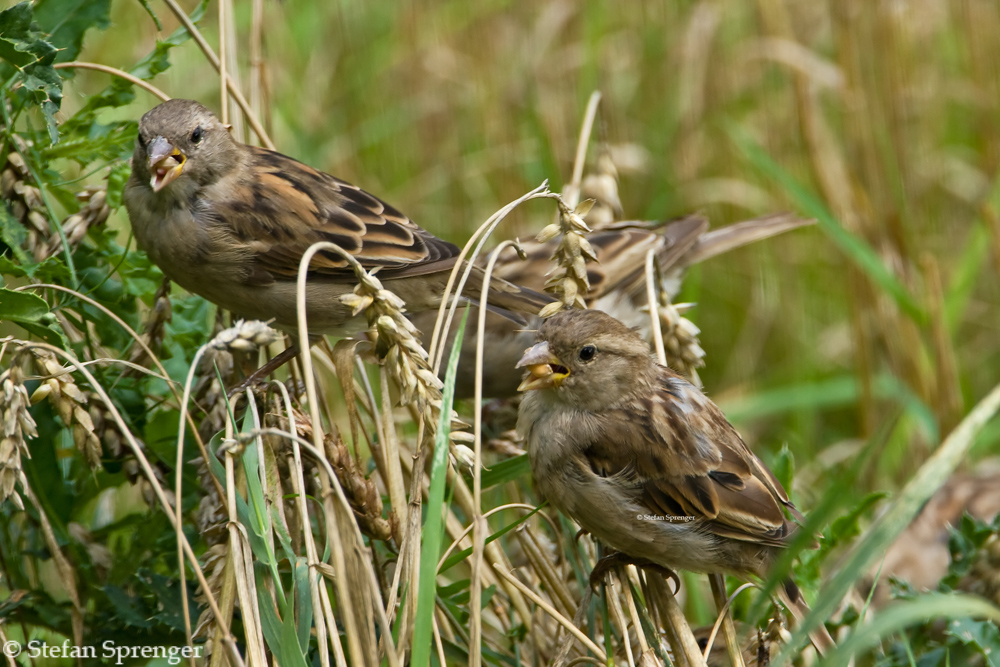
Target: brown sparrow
x,y
230,222
643,460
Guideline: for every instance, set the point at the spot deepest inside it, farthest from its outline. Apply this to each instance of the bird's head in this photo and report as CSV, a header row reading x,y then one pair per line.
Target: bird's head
x,y
586,359
181,139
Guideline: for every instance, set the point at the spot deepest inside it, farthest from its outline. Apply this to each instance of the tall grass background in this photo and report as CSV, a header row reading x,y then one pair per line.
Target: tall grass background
x,y
845,353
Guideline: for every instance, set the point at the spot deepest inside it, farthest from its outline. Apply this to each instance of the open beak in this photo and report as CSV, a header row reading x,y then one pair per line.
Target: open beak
x,y
544,368
165,163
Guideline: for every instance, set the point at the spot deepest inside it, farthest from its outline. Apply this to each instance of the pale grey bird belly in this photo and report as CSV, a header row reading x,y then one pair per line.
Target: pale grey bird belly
x,y
216,278
606,506
199,259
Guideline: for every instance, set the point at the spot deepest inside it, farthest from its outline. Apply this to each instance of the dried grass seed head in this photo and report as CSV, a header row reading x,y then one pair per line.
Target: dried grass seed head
x,y
245,336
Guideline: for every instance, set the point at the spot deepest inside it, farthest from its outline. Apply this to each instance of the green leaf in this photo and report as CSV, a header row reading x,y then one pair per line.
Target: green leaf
x,y
25,50
964,544
432,533
129,609
303,600
112,142
509,470
14,236
31,313
271,625
156,61
984,636
288,649
873,544
116,183
21,45
906,613
845,528
168,597
92,140
66,21
258,519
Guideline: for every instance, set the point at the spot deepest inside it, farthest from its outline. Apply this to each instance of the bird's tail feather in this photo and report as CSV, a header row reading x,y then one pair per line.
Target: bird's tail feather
x,y
740,234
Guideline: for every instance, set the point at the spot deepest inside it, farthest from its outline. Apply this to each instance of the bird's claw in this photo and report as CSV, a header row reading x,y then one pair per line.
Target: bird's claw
x,y
616,559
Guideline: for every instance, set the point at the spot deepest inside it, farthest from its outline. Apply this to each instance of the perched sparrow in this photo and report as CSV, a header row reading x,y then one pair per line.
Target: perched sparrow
x,y
643,460
617,284
230,222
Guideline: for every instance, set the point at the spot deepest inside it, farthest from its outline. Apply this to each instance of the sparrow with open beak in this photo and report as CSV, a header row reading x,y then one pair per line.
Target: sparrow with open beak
x,y
230,222
166,162
644,461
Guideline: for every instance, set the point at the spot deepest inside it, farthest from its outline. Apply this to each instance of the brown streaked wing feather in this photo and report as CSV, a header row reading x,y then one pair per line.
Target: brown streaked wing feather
x,y
692,465
292,206
529,272
673,243
621,251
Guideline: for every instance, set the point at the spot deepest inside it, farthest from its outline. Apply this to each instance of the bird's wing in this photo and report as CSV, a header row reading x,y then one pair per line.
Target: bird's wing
x,y
291,206
621,249
685,459
625,269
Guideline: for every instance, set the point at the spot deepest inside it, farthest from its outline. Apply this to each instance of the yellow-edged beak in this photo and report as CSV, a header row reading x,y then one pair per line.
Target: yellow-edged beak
x,y
545,370
165,163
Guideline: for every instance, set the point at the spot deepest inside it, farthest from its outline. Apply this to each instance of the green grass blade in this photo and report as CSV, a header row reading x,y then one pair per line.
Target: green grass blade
x,y
458,557
828,393
905,613
289,650
856,249
432,532
927,480
966,276
515,468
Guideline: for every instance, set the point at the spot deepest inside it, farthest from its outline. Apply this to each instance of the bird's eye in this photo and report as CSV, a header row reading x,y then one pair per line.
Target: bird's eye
x,y
197,135
587,352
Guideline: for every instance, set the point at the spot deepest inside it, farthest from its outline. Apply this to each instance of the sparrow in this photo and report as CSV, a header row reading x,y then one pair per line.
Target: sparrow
x,y
230,222
644,461
617,283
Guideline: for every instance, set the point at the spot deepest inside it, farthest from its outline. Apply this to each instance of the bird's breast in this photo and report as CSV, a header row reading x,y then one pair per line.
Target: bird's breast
x,y
610,508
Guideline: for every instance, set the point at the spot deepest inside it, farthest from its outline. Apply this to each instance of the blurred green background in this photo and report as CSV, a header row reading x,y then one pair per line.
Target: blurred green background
x,y
881,115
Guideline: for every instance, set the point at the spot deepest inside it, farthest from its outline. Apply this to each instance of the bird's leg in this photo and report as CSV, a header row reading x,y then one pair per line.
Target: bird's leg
x,y
274,364
613,560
